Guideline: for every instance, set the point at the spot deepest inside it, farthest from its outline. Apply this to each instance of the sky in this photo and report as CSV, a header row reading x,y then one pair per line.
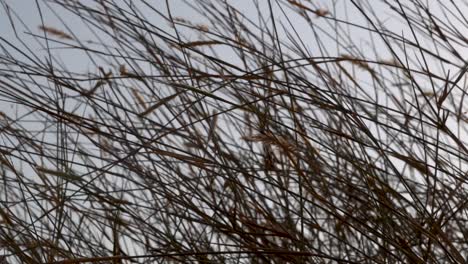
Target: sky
x,y
17,38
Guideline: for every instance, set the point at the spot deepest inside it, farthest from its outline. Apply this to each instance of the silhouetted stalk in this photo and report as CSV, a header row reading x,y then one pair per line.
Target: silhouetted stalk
x,y
265,131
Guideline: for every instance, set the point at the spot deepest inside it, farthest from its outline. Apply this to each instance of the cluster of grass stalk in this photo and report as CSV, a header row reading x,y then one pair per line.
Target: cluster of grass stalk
x,y
265,131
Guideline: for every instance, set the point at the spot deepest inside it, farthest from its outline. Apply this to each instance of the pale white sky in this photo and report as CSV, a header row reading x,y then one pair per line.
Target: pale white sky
x,y
27,11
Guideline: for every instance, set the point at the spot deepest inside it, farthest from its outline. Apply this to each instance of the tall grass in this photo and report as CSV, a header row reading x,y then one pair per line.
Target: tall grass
x,y
253,132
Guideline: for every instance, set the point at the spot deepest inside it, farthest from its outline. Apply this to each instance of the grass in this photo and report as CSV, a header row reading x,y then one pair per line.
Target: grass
x,y
259,132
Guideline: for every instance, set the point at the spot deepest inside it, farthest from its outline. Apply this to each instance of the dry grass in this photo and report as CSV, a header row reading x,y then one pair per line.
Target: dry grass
x,y
302,135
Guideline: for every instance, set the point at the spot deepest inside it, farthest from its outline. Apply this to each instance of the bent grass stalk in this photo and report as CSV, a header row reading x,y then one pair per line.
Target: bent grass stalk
x,y
263,132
